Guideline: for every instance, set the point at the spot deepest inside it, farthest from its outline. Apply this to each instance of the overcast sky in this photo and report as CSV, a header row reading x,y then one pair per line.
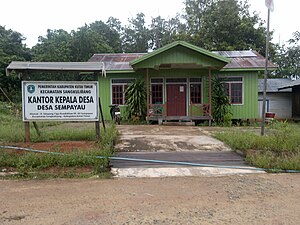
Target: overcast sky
x,y
32,18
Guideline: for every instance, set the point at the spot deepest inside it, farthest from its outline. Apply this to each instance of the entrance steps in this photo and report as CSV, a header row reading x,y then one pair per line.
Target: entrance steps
x,y
178,123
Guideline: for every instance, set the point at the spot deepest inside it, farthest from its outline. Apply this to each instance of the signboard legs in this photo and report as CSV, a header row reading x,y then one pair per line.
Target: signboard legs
x,y
27,131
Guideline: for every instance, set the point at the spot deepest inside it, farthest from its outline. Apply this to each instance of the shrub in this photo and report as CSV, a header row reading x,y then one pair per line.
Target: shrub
x,y
135,96
221,107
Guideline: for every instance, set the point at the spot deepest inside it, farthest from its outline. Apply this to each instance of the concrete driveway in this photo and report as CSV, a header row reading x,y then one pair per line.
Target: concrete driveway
x,y
189,144
154,138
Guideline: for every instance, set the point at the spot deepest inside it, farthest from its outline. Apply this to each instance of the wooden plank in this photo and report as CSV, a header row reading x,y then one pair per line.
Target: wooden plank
x,y
97,127
207,157
27,132
148,91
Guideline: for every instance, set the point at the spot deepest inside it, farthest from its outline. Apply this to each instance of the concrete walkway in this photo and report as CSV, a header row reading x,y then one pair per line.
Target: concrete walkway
x,y
153,138
173,143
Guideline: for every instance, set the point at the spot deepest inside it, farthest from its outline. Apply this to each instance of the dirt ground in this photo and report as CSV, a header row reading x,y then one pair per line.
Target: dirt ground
x,y
236,199
62,146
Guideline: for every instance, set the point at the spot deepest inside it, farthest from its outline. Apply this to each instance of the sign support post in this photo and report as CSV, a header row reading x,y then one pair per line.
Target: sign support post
x,y
27,131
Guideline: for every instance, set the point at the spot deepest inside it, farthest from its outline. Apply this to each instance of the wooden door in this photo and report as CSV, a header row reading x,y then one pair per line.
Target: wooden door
x,y
176,99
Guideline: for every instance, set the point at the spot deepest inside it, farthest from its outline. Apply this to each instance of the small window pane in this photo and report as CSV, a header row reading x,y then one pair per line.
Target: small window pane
x,y
176,80
236,93
195,93
122,81
195,80
156,94
231,79
117,94
157,80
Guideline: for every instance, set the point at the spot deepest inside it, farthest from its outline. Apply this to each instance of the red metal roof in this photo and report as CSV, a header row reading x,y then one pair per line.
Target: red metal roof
x,y
245,60
238,60
117,61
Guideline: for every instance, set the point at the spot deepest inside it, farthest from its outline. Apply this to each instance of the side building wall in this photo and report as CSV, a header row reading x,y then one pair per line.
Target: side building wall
x,y
278,103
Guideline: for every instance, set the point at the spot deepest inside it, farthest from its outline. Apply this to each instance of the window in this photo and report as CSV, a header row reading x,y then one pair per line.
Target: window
x,y
176,80
234,89
195,91
157,91
118,90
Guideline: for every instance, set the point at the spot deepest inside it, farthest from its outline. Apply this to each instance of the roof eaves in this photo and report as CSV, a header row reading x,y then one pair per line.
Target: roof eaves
x,y
248,69
119,71
54,66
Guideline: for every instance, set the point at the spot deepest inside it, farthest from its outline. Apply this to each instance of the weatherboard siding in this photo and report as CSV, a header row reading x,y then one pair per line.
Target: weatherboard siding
x,y
105,91
179,55
247,110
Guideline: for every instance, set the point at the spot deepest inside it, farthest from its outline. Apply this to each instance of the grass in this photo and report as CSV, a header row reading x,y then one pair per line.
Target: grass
x,y
40,165
278,149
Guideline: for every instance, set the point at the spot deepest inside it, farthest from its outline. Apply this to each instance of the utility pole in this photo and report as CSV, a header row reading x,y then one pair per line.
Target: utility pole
x,y
270,6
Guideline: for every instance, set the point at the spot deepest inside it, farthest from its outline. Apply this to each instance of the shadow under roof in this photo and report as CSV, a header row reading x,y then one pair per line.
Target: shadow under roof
x,y
55,66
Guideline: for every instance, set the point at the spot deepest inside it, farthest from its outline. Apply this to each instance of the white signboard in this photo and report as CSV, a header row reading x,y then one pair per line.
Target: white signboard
x,y
63,101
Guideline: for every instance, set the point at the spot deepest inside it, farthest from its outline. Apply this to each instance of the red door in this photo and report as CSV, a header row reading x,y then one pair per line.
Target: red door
x,y
176,99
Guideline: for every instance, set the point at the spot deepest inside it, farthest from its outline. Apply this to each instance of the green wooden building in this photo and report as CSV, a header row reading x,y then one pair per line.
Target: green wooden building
x,y
178,79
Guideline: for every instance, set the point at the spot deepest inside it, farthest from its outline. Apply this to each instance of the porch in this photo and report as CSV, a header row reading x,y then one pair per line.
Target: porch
x,y
197,112
179,82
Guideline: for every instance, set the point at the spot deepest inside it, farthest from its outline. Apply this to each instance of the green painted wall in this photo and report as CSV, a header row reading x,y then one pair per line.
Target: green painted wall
x,y
105,90
179,55
247,110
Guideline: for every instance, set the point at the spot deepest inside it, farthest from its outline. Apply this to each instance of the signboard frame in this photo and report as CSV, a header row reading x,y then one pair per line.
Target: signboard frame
x,y
51,99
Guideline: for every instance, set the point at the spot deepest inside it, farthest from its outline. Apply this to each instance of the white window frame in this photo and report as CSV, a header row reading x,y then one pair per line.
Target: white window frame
x,y
121,83
189,86
236,82
163,86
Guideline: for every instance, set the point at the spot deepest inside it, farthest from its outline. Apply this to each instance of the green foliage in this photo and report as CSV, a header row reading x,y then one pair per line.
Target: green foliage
x,y
135,96
79,45
280,148
270,160
221,107
26,163
287,58
11,49
12,129
164,31
33,162
54,47
224,25
88,40
136,35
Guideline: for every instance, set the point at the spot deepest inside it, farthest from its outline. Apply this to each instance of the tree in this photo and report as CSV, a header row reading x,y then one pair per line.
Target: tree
x,y
195,10
224,25
11,49
157,32
110,32
54,47
136,36
287,58
166,31
88,40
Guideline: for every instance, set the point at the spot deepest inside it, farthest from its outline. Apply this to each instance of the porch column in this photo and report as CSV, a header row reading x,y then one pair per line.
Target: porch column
x,y
148,91
209,95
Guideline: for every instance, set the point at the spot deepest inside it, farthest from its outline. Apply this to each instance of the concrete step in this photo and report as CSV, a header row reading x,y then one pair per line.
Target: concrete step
x,y
179,123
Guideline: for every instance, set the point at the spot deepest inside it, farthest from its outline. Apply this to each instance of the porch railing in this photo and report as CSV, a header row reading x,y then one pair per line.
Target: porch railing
x,y
199,110
157,110
160,110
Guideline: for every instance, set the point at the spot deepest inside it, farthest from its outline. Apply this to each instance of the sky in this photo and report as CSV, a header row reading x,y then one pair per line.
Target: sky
x,y
32,18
